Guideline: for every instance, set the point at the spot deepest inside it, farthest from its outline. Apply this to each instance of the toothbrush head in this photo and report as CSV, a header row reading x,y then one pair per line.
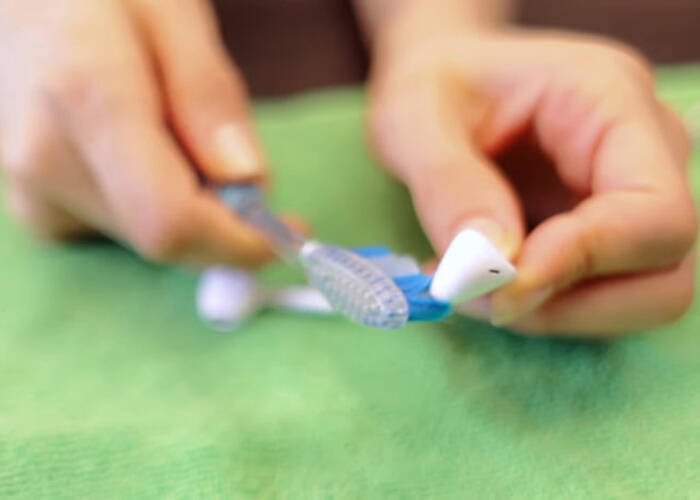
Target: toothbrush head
x,y
354,286
415,285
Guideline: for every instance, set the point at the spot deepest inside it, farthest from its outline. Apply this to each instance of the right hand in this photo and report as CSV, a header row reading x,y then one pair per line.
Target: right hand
x,y
105,105
490,128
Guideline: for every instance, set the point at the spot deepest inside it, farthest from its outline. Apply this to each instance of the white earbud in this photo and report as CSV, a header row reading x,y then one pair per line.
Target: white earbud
x,y
471,267
227,297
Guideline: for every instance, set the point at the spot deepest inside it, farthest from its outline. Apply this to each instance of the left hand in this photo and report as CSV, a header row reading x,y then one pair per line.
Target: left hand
x,y
511,130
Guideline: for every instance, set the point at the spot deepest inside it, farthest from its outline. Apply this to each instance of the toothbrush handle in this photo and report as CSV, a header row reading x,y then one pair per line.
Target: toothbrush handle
x,y
248,203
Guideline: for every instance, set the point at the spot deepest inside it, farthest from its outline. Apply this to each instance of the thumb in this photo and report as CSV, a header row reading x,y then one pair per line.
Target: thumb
x,y
207,100
453,185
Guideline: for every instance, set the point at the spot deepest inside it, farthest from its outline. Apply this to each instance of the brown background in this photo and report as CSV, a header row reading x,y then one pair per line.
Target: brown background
x,y
286,46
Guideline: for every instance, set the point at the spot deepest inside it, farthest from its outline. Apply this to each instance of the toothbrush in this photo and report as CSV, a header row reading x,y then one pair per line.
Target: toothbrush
x,y
351,283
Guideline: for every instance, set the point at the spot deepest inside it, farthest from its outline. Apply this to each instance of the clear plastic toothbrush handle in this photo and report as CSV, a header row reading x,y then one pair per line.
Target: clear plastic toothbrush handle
x,y
248,202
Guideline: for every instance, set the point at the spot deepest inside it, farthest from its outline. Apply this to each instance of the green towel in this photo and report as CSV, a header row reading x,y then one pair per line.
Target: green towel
x,y
111,387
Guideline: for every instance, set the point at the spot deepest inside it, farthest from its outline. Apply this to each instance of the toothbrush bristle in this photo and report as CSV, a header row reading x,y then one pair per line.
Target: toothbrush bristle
x,y
356,287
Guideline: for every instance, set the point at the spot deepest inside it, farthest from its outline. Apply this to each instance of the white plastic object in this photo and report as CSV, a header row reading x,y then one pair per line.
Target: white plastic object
x,y
302,299
471,267
227,297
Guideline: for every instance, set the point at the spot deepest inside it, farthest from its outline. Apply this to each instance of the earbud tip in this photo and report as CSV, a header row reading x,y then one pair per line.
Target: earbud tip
x,y
226,297
471,267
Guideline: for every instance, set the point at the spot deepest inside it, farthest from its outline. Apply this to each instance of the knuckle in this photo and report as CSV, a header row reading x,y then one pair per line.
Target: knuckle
x,y
13,163
70,82
165,234
684,227
383,124
685,139
388,110
34,170
625,55
380,118
34,217
634,61
681,301
85,90
534,326
620,61
28,160
391,125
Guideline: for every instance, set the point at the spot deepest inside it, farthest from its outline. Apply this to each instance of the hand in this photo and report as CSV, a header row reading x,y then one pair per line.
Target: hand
x,y
556,147
105,105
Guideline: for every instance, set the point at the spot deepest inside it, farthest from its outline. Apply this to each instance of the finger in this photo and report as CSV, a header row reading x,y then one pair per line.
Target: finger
x,y
296,223
162,209
640,216
421,134
40,157
147,184
430,266
605,307
206,97
615,306
43,218
676,134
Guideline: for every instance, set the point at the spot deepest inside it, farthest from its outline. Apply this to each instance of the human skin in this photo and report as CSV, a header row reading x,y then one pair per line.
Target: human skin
x,y
552,144
105,118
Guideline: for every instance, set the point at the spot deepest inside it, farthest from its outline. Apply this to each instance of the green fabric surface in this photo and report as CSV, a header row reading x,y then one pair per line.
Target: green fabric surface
x,y
111,387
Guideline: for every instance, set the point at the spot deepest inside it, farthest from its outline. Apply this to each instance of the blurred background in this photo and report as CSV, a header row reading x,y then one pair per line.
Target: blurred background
x,y
265,35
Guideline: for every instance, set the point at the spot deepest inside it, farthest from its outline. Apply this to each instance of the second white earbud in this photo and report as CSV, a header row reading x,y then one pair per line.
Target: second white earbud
x,y
227,297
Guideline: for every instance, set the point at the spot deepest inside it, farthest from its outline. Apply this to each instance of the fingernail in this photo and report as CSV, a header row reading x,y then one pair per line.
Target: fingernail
x,y
496,233
236,151
506,309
